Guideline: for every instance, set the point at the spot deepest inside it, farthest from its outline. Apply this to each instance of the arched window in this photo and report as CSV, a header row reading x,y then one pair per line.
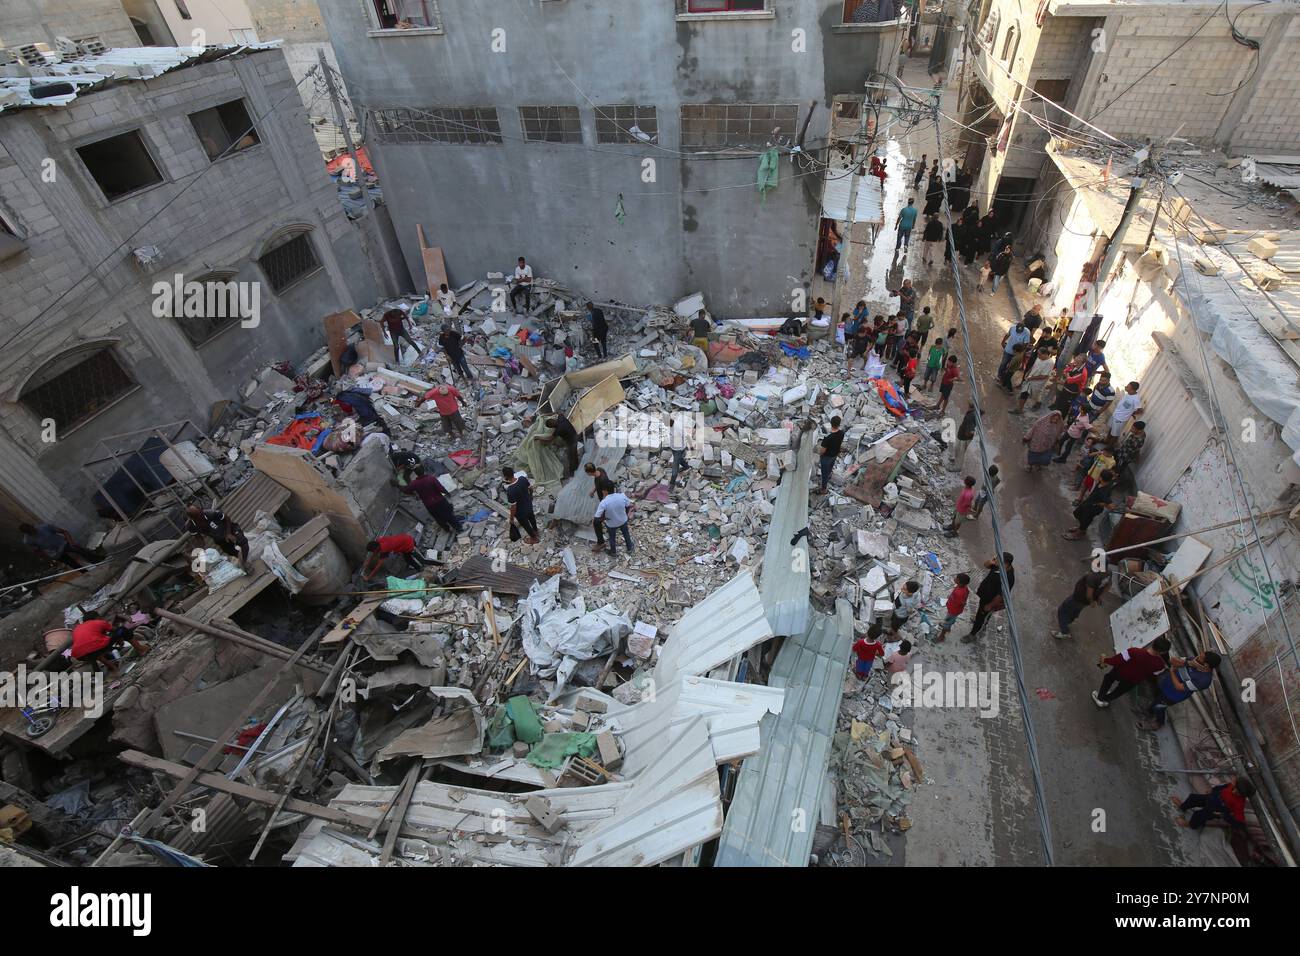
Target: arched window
x,y
990,31
204,314
1009,45
76,386
288,260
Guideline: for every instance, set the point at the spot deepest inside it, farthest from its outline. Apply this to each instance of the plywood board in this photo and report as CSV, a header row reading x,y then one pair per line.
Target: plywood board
x,y
1187,560
594,403
1141,620
354,619
620,367
336,335
435,269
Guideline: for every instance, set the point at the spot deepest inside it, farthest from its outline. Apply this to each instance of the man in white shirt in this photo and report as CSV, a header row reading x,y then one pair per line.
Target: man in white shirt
x,y
522,284
446,299
1040,373
1129,404
611,516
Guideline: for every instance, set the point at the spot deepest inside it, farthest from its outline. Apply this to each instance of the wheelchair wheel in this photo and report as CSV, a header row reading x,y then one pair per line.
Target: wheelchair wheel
x,y
40,726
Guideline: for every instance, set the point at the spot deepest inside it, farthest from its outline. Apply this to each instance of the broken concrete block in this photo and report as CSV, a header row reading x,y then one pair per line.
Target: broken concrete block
x,y
540,809
1262,247
607,746
872,544
520,749
794,395
511,426
874,582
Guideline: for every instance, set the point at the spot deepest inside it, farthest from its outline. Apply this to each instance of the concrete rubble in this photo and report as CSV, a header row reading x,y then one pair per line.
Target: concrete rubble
x,y
419,695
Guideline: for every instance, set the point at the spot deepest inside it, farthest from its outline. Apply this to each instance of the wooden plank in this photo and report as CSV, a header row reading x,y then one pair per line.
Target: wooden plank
x,y
336,335
595,402
216,781
435,269
352,620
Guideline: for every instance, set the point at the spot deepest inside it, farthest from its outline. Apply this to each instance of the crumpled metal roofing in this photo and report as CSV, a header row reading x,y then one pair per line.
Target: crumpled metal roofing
x,y
728,622
785,581
789,772
95,71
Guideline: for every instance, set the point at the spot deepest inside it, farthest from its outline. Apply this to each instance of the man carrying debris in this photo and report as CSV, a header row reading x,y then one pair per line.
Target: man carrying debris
x,y
446,299
56,544
446,398
563,430
519,492
1087,591
599,328
385,546
828,449
453,344
434,497
223,532
612,514
521,284
990,594
396,320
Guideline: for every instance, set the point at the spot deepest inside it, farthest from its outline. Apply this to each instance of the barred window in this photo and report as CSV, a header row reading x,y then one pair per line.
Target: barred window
x,y
551,124
621,124
219,311
76,386
289,263
435,124
721,125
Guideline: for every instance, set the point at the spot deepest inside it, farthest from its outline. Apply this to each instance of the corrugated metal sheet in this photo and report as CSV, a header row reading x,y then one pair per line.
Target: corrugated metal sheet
x,y
786,576
836,192
259,493
478,572
89,73
1177,428
728,622
575,502
789,772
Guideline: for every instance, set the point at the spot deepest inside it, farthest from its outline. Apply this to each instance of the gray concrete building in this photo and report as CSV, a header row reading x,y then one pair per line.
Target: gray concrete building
x,y
505,129
128,185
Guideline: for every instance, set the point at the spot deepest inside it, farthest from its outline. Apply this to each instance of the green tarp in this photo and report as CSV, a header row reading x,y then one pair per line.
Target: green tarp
x,y
527,727
554,748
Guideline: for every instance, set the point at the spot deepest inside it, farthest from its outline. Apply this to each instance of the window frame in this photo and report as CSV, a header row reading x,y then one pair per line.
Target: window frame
x,y
727,121
576,119
90,350
279,242
226,153
616,127
377,28
138,132
387,125
1010,43
684,11
213,276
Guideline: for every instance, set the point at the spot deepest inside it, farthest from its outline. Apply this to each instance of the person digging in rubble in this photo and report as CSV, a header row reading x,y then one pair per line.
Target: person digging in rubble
x,y
991,598
434,497
563,429
1225,802
700,329
216,526
385,546
56,544
955,604
962,508
95,640
614,514
599,328
1129,668
452,344
828,449
396,320
521,284
519,492
447,399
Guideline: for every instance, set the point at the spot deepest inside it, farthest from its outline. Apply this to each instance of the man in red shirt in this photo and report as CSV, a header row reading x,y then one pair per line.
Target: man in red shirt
x,y
446,398
95,639
867,650
1225,802
1130,668
382,548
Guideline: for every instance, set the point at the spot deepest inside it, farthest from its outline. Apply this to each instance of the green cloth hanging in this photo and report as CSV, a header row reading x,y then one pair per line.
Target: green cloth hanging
x,y
767,172
619,212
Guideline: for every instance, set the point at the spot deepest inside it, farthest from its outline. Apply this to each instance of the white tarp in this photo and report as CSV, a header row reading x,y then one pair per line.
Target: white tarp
x,y
557,638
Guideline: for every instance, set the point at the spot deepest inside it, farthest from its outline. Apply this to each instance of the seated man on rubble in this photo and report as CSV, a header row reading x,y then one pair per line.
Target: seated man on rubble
x,y
521,283
95,640
217,527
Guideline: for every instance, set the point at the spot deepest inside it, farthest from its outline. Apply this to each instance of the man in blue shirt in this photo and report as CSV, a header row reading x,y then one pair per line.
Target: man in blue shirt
x,y
1018,334
906,220
1095,359
1180,681
612,513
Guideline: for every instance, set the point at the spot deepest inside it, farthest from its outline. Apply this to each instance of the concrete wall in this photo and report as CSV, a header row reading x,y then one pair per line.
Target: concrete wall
x,y
210,21
44,21
208,217
149,14
700,224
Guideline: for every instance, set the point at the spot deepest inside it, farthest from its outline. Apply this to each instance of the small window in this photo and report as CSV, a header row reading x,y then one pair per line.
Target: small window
x,y
407,14
725,6
245,36
735,125
551,124
1009,45
436,124
989,32
219,309
626,124
289,263
1054,90
183,10
224,129
76,386
120,164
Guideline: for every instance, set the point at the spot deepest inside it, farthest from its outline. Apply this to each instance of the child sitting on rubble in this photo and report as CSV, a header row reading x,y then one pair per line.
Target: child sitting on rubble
x,y
867,649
